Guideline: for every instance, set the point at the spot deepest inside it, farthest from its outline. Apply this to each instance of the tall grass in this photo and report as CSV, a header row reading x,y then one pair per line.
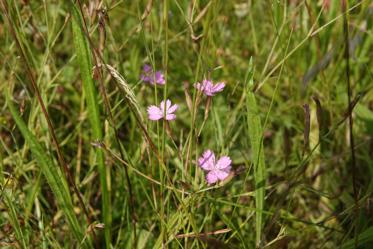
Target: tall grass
x,y
255,132
54,176
86,70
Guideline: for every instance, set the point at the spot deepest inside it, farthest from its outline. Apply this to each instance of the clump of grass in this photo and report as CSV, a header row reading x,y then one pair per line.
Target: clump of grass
x,y
55,179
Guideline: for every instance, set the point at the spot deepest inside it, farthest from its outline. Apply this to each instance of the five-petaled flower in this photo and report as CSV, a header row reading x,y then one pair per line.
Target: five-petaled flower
x,y
217,170
165,110
153,78
209,88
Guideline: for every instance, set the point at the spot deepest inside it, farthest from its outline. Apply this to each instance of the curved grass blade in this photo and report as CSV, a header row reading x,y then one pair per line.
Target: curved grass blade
x,y
52,173
85,65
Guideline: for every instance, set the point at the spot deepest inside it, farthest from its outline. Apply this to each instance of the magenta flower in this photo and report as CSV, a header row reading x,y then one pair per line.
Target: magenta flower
x,y
208,88
217,170
156,113
153,78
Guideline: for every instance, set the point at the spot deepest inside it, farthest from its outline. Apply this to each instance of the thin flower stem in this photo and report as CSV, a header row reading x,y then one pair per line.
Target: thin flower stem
x,y
163,221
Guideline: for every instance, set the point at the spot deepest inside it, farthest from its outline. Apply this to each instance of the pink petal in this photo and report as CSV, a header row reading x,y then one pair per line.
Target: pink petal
x,y
162,105
218,87
209,88
211,177
221,174
170,116
168,104
207,160
207,83
172,109
208,92
159,78
224,163
154,113
169,109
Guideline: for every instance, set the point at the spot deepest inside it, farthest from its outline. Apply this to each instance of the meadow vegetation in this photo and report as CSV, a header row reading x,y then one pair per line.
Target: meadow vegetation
x,y
186,124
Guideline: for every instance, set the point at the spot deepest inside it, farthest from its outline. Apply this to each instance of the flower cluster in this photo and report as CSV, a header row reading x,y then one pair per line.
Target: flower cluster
x,y
216,170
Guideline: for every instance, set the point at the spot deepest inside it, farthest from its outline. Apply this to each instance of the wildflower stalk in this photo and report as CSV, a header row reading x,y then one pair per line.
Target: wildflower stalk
x,y
207,107
354,167
207,110
162,178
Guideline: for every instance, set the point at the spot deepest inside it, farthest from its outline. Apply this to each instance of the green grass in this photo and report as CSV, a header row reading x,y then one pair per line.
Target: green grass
x,y
54,177
255,132
82,166
90,93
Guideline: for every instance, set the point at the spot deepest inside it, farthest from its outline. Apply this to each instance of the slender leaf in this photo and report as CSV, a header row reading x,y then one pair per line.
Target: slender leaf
x,y
85,65
256,141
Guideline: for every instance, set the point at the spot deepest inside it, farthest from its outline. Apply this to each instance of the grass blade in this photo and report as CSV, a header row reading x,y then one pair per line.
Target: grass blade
x,y
256,134
364,238
13,219
52,173
85,65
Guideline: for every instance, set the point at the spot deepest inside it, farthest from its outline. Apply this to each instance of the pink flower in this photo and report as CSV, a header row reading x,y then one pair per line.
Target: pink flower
x,y
217,170
208,88
153,78
156,113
